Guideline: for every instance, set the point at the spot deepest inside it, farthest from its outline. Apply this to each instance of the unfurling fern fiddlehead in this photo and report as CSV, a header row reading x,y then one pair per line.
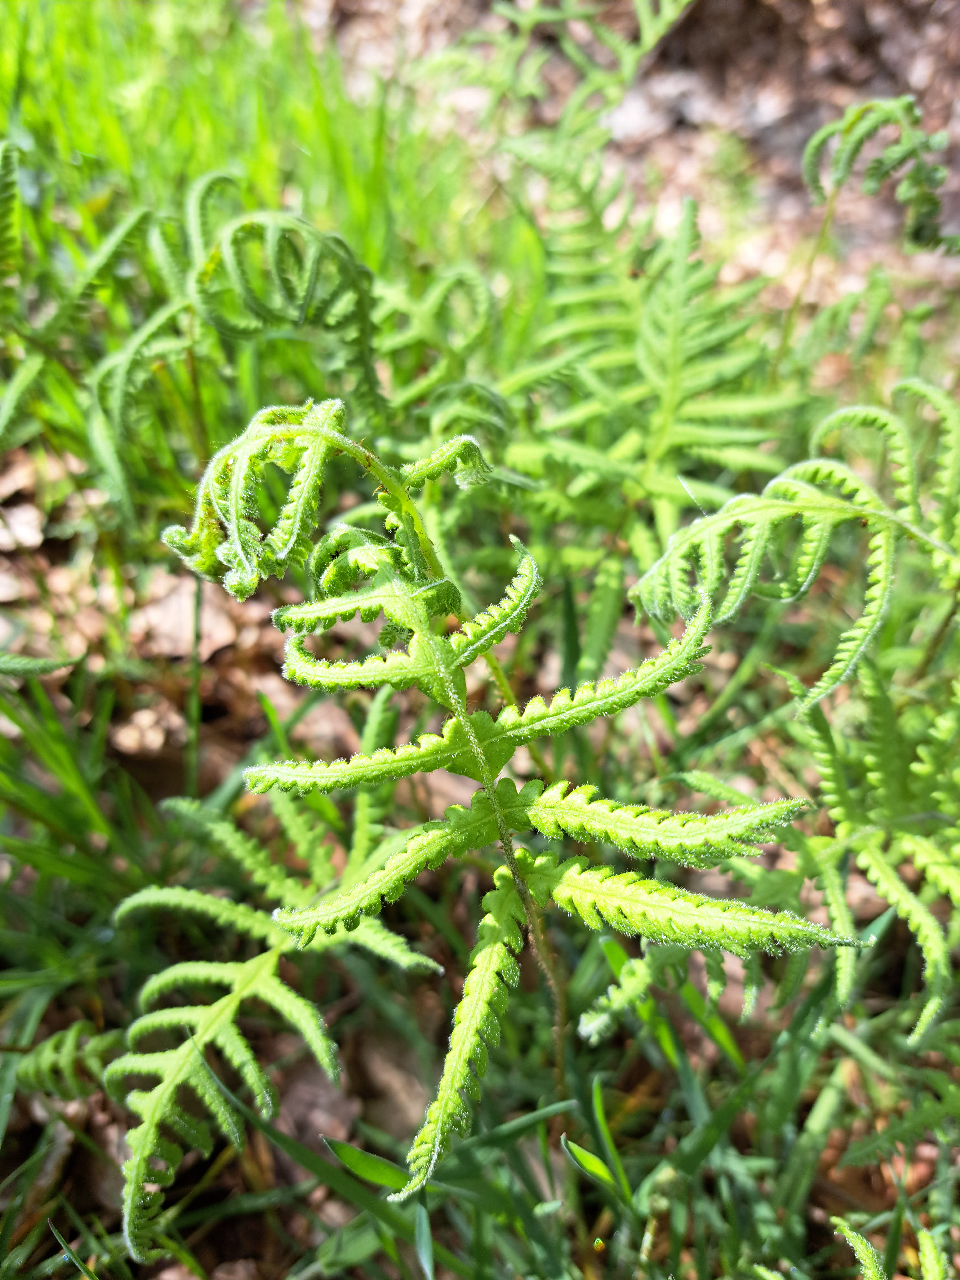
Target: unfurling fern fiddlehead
x,y
398,574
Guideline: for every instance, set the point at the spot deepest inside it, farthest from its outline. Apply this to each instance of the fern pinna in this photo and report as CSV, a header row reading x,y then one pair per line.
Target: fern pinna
x,y
397,573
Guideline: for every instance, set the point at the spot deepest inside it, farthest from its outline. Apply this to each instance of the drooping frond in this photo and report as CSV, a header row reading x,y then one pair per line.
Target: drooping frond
x,y
493,970
488,628
663,913
923,924
225,543
299,276
70,1063
946,487
899,445
166,1128
689,838
910,150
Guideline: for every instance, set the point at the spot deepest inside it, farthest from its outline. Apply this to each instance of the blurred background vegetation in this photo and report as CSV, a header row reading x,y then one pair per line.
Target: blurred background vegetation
x,y
512,191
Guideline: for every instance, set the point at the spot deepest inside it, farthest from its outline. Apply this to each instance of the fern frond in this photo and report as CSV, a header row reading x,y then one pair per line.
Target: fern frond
x,y
375,937
912,147
603,617
70,1063
461,831
305,277
9,243
900,446
870,1261
933,1263
493,970
795,496
227,914
498,738
940,866
688,838
157,1143
666,914
841,922
946,487
479,634
247,853
922,924
630,989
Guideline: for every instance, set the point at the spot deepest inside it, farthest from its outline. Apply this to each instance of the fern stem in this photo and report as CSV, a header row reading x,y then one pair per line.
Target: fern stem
x,y
545,959
191,764
937,639
793,314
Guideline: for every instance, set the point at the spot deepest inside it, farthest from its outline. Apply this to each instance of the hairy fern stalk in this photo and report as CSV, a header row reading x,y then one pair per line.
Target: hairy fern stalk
x,y
397,574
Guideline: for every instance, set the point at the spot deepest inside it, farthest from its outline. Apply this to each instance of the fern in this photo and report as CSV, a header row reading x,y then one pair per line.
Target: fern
x,y
166,1128
816,498
399,574
911,151
666,388
70,1063
493,969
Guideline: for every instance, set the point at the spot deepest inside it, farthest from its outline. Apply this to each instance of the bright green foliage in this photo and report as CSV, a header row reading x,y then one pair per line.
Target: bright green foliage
x,y
166,1128
70,1063
910,151
933,1264
493,969
790,526
663,395
397,573
883,797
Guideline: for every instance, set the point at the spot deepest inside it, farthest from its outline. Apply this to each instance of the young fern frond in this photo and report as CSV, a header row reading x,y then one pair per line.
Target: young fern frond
x,y
157,1143
454,748
810,502
399,574
621,997
917,187
70,1063
922,923
493,969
